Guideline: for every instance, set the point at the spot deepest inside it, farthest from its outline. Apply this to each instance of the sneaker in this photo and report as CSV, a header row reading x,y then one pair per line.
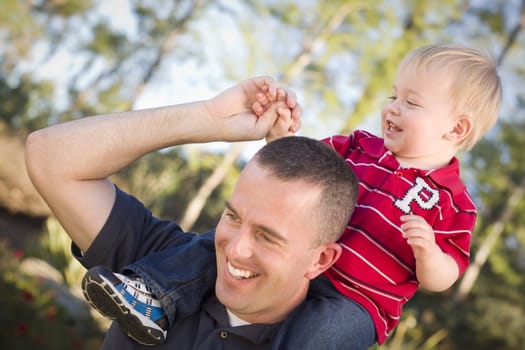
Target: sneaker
x,y
129,301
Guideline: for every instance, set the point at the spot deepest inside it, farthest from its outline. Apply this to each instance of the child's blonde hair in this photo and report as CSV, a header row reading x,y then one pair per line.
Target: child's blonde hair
x,y
475,86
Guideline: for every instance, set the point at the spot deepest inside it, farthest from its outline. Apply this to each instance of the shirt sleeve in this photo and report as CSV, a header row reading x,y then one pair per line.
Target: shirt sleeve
x,y
344,144
341,144
130,232
453,235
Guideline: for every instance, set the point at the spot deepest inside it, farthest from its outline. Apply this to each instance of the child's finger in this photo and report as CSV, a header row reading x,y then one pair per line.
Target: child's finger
x,y
285,113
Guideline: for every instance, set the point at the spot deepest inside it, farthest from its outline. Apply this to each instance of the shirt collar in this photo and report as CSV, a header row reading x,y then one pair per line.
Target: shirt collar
x,y
447,176
257,333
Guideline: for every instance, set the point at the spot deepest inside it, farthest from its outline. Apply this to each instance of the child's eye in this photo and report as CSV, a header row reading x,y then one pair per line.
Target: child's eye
x,y
412,103
392,98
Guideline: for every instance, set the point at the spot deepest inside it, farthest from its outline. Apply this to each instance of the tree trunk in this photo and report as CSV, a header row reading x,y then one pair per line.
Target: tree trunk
x,y
194,208
481,257
495,231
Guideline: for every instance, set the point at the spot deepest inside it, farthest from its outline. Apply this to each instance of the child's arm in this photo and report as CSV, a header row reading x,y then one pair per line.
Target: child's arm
x,y
435,270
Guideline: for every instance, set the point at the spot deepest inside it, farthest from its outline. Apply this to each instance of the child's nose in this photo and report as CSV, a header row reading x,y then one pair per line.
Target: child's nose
x,y
393,107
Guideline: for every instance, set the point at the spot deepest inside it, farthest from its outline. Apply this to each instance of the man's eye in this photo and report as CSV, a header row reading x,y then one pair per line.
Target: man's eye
x,y
265,236
231,216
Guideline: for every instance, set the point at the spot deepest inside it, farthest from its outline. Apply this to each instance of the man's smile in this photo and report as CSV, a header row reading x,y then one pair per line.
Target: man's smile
x,y
240,274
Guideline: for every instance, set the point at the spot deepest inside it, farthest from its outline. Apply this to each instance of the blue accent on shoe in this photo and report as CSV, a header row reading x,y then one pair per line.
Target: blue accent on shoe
x,y
102,289
148,310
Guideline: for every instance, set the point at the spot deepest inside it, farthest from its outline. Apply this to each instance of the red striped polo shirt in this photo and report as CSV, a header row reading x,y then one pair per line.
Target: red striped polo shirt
x,y
377,266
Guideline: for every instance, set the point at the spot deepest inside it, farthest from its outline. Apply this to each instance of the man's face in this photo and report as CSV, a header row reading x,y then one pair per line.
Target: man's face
x,y
266,246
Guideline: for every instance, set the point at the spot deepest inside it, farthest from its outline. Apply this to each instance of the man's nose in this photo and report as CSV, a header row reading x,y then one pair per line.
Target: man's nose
x,y
242,244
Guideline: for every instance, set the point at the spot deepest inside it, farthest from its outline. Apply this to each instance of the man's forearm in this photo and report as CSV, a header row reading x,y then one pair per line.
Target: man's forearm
x,y
96,147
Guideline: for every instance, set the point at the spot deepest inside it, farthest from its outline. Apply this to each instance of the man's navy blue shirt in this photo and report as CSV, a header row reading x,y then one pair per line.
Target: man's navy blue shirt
x,y
130,233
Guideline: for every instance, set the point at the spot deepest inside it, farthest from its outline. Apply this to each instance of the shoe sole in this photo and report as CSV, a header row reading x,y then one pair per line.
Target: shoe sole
x,y
102,296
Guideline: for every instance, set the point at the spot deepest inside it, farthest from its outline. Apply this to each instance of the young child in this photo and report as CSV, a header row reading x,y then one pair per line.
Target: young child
x,y
411,227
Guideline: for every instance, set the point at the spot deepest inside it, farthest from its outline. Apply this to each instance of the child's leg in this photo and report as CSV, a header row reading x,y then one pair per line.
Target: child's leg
x,y
326,320
180,277
155,290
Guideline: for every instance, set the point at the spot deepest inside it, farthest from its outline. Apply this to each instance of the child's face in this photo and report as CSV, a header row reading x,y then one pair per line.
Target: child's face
x,y
419,115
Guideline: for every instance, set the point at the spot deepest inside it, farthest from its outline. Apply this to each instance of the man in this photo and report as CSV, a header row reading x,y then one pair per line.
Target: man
x,y
277,232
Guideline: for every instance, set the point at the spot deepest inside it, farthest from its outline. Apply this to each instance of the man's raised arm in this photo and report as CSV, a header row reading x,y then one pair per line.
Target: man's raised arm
x,y
69,163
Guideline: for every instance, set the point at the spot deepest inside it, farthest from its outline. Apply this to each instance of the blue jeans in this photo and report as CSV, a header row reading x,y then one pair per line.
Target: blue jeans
x,y
180,277
326,320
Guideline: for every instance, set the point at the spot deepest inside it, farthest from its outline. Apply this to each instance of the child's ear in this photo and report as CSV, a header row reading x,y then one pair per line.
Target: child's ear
x,y
461,129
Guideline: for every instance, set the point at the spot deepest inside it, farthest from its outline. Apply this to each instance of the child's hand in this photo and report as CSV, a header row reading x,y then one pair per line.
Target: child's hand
x,y
420,236
289,111
283,124
247,110
435,270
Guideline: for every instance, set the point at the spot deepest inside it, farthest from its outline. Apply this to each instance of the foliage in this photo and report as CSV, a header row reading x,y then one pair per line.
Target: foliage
x,y
340,56
54,247
166,182
499,163
31,318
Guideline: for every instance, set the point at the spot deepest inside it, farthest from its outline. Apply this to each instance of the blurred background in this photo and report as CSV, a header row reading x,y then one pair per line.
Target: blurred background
x,y
62,60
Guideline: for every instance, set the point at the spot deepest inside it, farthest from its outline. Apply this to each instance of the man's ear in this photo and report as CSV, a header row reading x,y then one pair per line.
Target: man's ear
x,y
328,255
461,129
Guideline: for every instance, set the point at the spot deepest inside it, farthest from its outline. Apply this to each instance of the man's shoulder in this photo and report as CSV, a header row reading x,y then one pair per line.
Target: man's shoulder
x,y
130,233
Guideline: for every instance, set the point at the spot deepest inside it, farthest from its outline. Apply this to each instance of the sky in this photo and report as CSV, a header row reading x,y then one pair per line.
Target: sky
x,y
188,81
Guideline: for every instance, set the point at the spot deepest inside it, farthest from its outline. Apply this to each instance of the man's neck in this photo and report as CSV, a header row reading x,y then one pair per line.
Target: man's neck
x,y
236,321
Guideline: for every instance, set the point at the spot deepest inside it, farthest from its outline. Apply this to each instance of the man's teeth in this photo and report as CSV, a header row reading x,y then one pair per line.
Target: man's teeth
x,y
240,273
